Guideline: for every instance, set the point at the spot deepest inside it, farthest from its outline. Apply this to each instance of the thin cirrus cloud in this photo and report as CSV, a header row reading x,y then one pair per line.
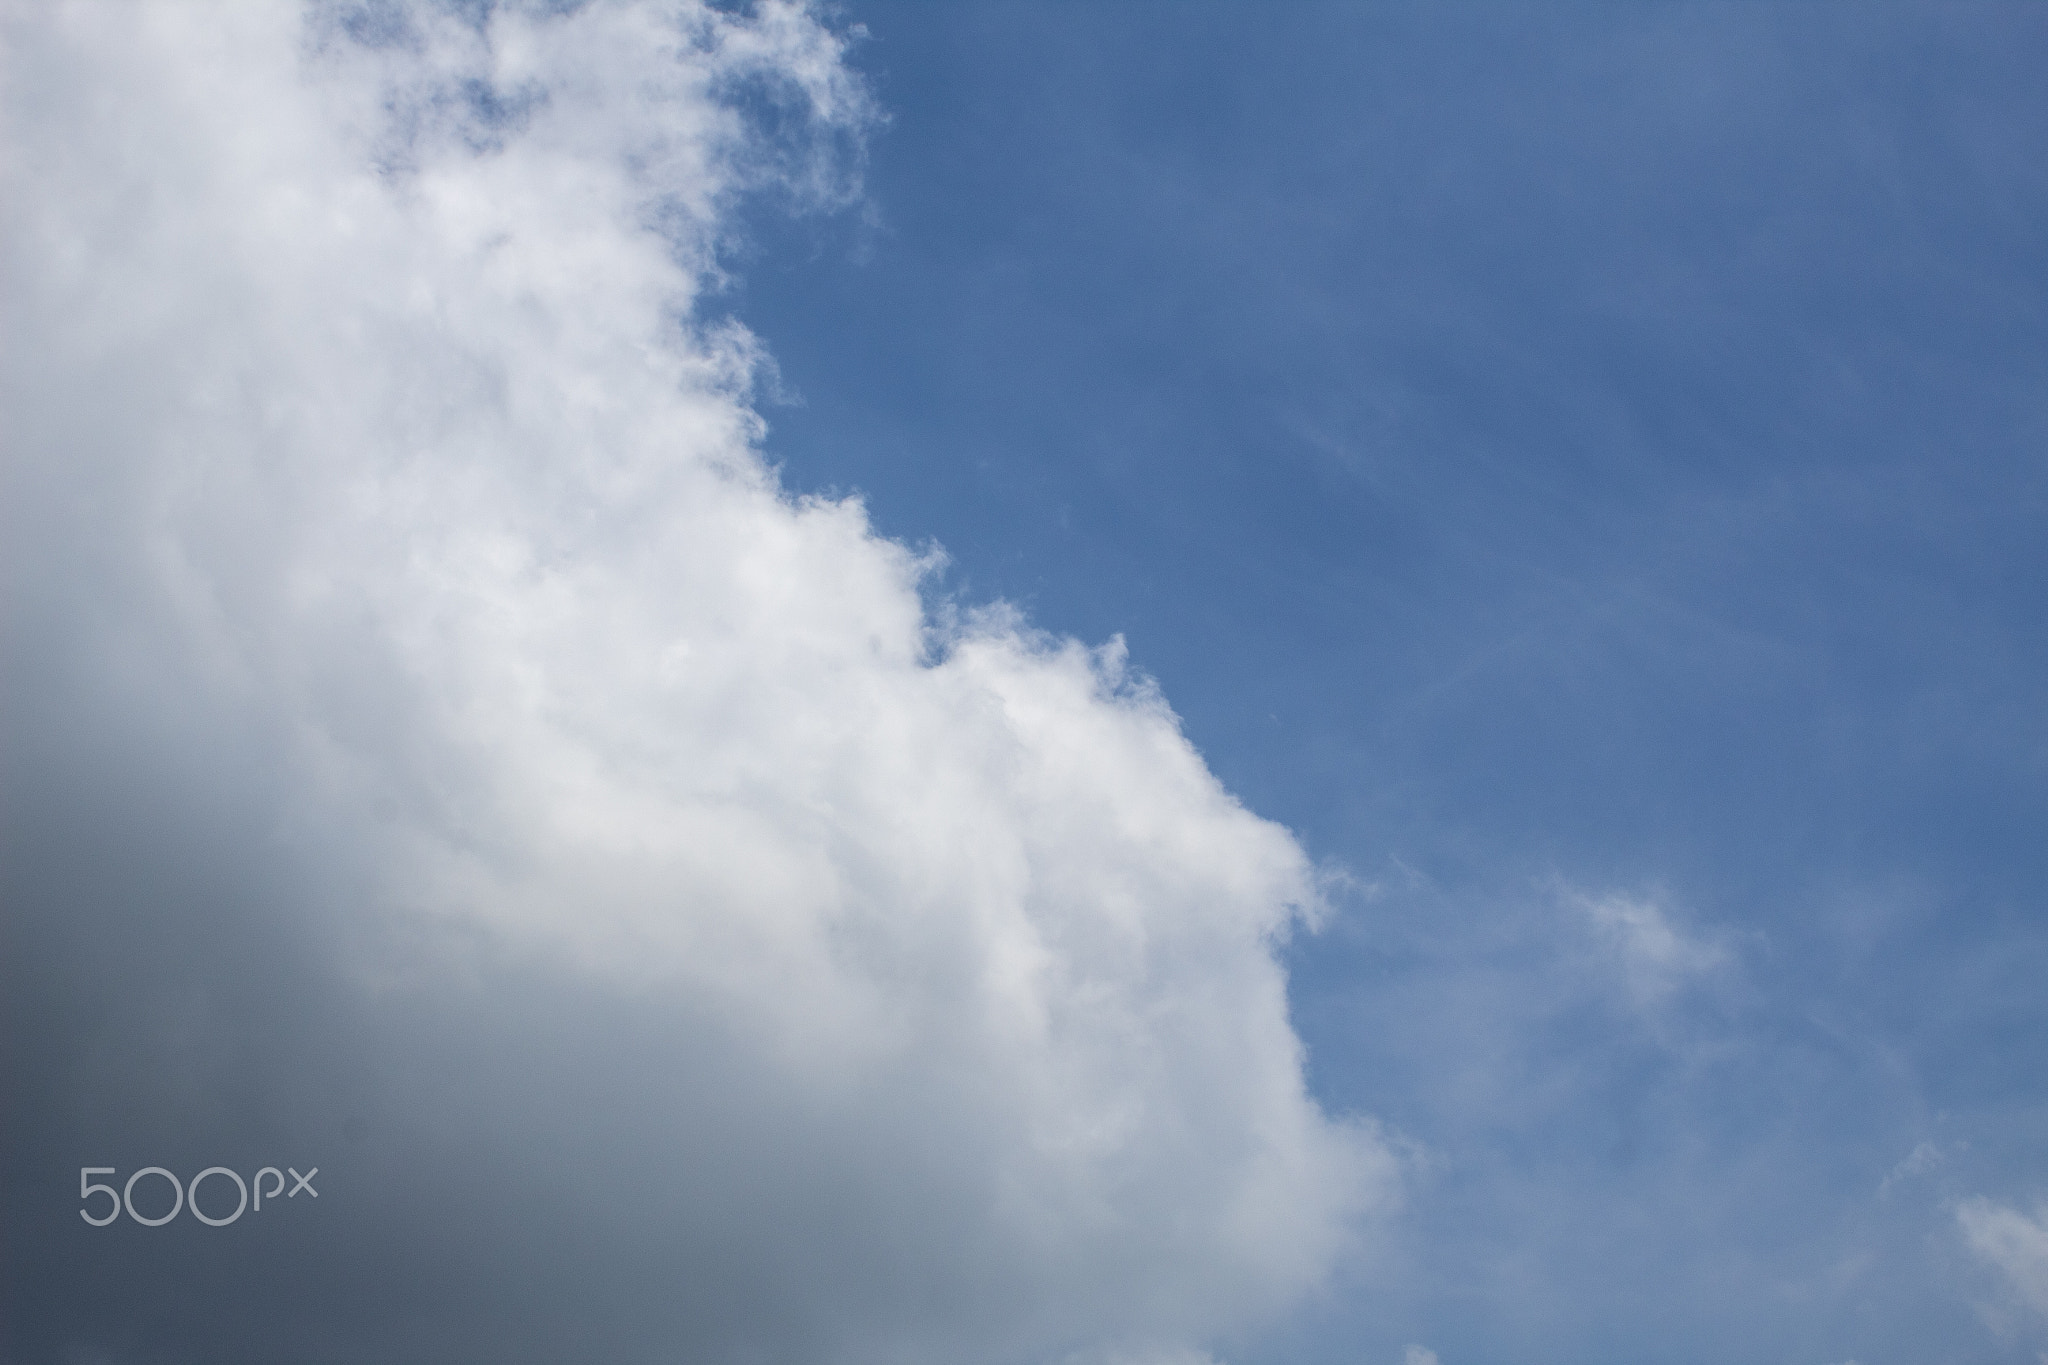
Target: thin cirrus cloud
x,y
458,761
2013,1244
1656,956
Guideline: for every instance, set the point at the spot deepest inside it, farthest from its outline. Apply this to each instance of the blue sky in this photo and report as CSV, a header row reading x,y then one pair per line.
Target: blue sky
x,y
1596,451
1578,474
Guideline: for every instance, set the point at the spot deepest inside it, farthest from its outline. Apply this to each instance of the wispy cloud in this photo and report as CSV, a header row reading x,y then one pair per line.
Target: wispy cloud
x,y
1656,955
2012,1243
1923,1159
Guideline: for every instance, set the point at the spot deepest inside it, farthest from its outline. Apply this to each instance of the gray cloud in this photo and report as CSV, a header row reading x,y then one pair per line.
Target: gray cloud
x,y
438,750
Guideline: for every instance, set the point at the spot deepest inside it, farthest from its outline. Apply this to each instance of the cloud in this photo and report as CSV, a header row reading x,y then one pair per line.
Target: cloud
x,y
2011,1242
1656,956
1925,1157
1418,1355
439,747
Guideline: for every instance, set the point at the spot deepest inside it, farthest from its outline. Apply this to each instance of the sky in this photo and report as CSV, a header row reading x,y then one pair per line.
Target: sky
x,y
1105,684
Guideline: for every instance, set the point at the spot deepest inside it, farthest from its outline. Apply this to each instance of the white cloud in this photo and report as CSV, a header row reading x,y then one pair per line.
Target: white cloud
x,y
2013,1243
1656,956
366,428
1925,1157
1418,1355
